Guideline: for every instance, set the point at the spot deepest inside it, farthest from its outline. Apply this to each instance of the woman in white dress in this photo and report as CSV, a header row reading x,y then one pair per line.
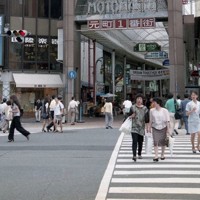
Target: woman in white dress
x,y
193,112
160,126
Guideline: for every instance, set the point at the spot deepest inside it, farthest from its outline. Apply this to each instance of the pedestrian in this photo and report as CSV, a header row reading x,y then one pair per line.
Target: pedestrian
x,y
51,108
170,105
183,110
193,112
72,107
108,108
178,100
3,106
8,117
126,107
45,113
90,108
38,108
159,125
138,111
58,113
16,123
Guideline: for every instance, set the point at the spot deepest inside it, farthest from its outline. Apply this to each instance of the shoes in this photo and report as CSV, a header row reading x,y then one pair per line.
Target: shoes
x,y
162,158
4,131
155,159
27,137
198,149
72,123
43,130
110,127
55,131
12,140
134,159
187,133
176,132
48,129
194,151
107,128
139,157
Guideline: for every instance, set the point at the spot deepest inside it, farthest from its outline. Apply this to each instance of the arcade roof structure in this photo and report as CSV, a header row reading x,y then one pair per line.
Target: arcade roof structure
x,y
124,40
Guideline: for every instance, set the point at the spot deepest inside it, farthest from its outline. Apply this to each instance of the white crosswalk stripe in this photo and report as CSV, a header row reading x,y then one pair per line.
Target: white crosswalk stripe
x,y
177,177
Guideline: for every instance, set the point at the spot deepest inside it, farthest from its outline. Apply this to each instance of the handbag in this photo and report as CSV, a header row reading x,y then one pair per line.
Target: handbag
x,y
171,145
148,143
126,127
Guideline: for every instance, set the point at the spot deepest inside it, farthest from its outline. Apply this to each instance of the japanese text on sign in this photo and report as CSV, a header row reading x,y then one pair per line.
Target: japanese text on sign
x,y
122,23
149,74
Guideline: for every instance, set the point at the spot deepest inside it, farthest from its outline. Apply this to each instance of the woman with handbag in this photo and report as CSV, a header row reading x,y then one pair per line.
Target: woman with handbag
x,y
138,111
159,125
193,112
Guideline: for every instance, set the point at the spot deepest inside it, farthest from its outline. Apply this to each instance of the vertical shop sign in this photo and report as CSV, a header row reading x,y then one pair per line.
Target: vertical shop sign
x,y
1,40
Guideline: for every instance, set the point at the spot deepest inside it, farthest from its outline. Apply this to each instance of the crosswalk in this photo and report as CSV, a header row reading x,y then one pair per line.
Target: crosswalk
x,y
175,178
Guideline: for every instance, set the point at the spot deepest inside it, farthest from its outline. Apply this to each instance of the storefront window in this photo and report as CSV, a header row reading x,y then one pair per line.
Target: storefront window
x,y
30,8
43,8
16,7
42,66
30,48
42,50
56,9
29,66
15,51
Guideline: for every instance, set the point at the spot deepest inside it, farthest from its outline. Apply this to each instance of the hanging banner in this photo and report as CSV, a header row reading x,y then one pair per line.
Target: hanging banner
x,y
149,75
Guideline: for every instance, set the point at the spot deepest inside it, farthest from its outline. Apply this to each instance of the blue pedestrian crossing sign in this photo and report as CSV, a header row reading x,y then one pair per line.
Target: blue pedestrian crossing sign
x,y
72,74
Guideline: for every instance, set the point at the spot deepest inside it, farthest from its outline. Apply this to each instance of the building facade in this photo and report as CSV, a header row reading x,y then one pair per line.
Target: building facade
x,y
30,68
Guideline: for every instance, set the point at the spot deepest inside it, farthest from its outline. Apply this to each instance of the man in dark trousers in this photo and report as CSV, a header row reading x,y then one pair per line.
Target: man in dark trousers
x,y
183,106
51,108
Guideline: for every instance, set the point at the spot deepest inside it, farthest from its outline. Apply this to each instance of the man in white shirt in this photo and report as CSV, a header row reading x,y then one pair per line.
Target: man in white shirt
x,y
72,110
51,108
126,107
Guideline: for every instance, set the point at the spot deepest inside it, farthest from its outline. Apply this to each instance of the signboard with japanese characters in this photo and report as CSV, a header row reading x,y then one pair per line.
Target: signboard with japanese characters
x,y
143,47
121,24
156,55
149,74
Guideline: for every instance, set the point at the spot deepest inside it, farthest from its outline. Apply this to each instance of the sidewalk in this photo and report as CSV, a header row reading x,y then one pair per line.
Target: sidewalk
x,y
87,123
94,122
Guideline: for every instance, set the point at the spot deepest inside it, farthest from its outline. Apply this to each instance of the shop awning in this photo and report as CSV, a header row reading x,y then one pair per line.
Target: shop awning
x,y
38,80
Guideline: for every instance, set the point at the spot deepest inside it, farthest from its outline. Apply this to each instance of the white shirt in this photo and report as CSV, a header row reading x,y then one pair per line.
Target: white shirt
x,y
159,118
127,104
52,104
72,104
58,108
108,107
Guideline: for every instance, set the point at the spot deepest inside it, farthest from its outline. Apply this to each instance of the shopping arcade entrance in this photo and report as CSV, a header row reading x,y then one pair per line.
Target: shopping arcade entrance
x,y
122,41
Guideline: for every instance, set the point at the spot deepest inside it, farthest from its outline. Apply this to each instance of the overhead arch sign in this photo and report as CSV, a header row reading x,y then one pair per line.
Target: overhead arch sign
x,y
121,6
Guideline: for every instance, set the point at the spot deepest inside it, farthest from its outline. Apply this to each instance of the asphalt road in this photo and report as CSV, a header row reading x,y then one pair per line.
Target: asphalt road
x,y
67,166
